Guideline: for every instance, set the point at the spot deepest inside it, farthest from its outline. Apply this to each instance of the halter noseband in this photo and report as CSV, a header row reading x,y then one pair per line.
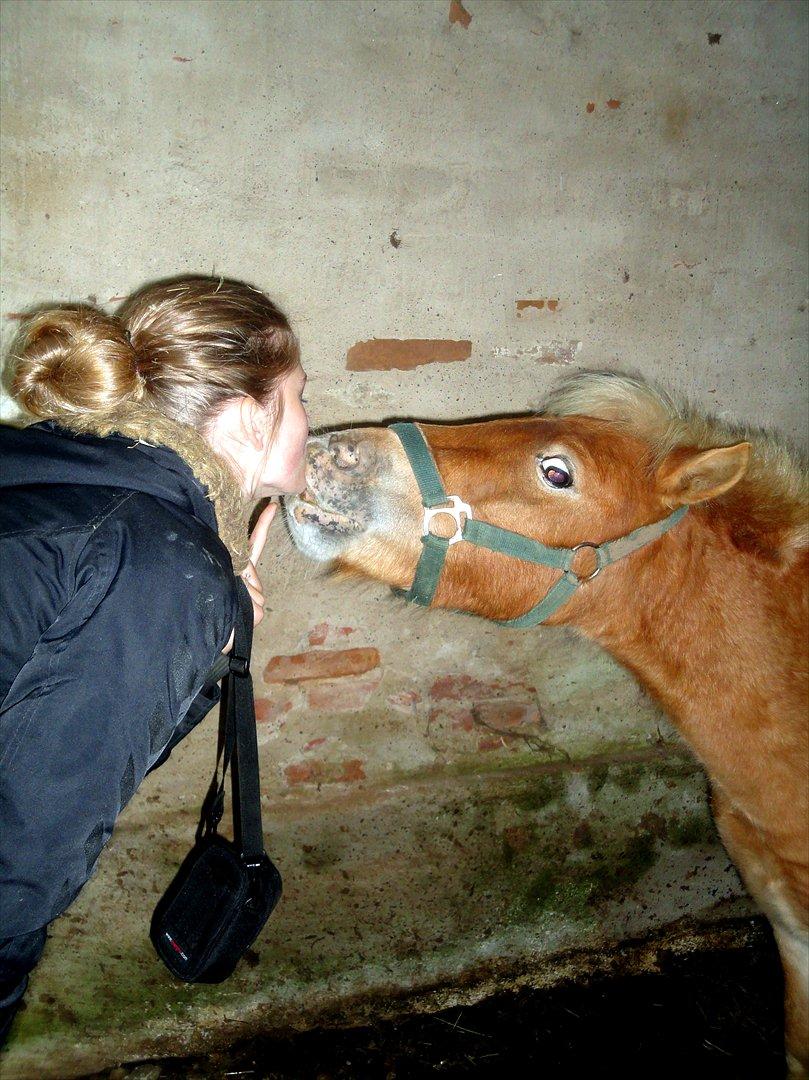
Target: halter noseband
x,y
436,501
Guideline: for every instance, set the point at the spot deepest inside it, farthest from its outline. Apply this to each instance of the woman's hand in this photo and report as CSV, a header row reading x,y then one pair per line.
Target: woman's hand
x,y
258,538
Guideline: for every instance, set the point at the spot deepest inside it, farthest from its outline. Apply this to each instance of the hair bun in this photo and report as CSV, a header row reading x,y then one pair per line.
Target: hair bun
x,y
73,359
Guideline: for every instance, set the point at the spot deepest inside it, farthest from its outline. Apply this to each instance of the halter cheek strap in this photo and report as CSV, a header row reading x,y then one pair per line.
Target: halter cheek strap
x,y
434,548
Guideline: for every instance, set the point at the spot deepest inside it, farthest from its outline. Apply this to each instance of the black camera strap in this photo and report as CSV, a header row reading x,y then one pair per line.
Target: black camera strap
x,y
238,747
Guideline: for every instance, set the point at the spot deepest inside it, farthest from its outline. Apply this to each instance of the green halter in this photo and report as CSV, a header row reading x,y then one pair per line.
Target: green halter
x,y
436,501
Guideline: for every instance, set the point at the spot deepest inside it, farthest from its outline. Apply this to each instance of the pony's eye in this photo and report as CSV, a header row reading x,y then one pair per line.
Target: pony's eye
x,y
556,471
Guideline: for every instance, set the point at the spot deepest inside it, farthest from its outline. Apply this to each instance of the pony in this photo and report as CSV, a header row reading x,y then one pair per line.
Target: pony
x,y
711,616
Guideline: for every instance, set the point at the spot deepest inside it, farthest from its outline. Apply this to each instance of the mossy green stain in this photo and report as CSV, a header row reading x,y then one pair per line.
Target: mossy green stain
x,y
574,887
540,891
695,828
542,791
597,778
628,776
621,865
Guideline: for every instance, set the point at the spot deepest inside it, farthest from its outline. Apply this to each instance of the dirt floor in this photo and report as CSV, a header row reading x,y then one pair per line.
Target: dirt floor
x,y
714,1014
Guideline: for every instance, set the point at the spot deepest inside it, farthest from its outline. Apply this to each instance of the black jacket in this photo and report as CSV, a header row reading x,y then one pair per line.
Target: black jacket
x,y
117,599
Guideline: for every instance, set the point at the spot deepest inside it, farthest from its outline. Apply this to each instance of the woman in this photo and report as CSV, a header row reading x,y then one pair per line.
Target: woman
x,y
122,521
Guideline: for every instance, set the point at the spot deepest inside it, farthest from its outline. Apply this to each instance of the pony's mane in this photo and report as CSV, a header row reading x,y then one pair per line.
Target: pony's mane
x,y
775,489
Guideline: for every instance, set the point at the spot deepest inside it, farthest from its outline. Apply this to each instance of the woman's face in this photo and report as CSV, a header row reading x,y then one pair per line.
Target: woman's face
x,y
284,470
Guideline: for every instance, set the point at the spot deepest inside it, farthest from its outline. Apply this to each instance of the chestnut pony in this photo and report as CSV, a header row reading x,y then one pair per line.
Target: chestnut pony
x,y
712,616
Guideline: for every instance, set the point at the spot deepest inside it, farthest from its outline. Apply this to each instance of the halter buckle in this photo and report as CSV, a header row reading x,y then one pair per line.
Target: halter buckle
x,y
458,507
596,572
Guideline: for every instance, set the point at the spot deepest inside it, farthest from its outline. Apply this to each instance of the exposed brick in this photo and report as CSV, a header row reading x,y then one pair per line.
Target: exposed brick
x,y
494,742
315,742
325,772
508,714
321,664
318,634
271,710
444,722
459,687
300,773
342,696
467,688
463,721
352,771
385,354
405,701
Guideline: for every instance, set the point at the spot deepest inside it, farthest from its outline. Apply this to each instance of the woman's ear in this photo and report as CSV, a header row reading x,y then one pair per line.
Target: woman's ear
x,y
693,476
255,424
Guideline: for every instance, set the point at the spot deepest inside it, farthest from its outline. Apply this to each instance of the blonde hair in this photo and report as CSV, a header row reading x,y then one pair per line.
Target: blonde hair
x,y
182,347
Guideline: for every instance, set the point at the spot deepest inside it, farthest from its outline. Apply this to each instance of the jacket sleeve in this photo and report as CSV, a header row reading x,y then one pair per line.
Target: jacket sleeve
x,y
96,704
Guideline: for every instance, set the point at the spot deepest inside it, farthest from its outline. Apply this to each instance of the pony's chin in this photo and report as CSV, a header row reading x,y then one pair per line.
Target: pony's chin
x,y
319,533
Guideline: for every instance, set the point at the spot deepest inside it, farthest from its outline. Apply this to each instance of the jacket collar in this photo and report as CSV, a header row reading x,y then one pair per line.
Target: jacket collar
x,y
150,427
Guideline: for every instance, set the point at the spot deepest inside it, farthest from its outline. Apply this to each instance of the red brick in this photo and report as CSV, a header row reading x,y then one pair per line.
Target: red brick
x,y
270,710
385,354
318,634
315,742
463,721
460,688
321,664
405,701
347,695
352,771
325,772
300,773
468,689
494,742
508,714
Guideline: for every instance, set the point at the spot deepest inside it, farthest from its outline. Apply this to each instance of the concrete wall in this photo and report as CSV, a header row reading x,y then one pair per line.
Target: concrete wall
x,y
466,805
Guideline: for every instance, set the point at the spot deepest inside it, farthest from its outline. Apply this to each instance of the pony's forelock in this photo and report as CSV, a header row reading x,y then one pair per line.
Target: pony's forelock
x,y
777,473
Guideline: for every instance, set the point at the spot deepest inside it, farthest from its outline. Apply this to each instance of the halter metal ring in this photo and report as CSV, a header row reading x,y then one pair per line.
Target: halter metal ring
x,y
458,507
596,572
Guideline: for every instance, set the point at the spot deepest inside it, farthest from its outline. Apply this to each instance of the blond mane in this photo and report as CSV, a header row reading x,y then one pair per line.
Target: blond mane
x,y
776,486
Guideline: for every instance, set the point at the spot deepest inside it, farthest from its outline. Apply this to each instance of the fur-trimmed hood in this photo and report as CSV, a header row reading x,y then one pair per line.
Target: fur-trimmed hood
x,y
216,489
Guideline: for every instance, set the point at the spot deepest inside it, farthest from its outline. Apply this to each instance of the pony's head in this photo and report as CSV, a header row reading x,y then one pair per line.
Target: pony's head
x,y
607,455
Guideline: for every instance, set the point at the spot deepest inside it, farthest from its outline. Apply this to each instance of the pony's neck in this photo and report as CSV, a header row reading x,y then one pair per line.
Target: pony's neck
x,y
693,617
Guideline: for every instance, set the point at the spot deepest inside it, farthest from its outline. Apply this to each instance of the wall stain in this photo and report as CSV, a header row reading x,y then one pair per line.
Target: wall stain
x,y
458,13
526,306
675,119
385,354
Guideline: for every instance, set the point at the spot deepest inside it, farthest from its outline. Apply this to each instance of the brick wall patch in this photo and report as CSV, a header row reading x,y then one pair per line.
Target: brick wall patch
x,y
386,354
321,664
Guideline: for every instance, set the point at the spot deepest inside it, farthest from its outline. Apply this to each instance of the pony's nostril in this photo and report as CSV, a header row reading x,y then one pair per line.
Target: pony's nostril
x,y
345,452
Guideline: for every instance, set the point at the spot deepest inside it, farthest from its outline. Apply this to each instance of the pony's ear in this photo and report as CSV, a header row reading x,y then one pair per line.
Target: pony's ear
x,y
692,476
